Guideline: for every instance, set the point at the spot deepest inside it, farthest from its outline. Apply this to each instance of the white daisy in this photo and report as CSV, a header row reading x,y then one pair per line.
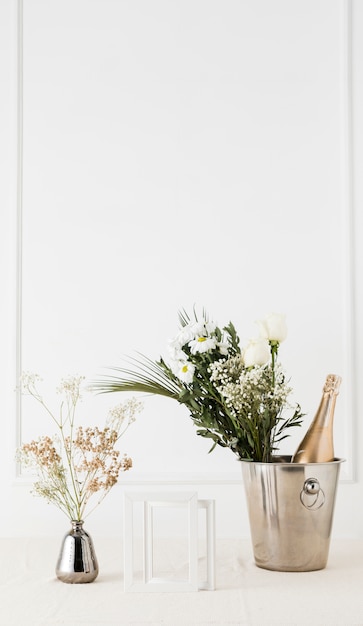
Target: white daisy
x,y
186,372
202,344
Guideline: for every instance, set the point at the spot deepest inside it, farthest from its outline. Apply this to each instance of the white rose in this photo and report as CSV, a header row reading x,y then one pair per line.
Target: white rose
x,y
257,352
273,327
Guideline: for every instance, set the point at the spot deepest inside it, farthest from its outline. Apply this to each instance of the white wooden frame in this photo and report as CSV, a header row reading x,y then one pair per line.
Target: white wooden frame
x,y
150,502
209,506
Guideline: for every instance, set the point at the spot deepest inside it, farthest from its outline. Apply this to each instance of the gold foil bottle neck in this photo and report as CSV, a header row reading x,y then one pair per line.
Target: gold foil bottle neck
x,y
332,384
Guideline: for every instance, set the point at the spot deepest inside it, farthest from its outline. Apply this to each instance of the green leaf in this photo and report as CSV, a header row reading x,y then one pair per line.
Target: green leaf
x,y
149,377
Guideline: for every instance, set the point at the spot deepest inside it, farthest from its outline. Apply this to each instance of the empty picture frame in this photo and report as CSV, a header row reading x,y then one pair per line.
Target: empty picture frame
x,y
150,503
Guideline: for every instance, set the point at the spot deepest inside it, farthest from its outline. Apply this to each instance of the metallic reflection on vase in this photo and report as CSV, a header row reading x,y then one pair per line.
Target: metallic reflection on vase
x,y
77,561
290,510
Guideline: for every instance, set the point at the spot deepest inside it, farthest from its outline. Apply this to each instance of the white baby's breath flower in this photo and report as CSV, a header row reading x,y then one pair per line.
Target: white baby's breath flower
x,y
29,379
71,387
123,412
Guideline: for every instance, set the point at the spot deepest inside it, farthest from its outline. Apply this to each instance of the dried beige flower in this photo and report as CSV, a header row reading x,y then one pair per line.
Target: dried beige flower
x,y
79,462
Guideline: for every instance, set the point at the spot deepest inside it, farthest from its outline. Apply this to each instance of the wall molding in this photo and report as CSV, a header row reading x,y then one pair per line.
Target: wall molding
x,y
349,469
19,220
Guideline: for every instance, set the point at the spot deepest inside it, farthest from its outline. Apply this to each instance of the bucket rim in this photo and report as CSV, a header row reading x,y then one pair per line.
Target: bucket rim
x,y
285,461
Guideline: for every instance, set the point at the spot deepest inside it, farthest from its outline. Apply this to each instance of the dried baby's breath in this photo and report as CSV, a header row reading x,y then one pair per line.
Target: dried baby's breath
x,y
78,462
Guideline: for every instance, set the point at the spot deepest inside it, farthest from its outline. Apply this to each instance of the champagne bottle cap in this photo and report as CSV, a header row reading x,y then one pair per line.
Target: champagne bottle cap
x,y
332,384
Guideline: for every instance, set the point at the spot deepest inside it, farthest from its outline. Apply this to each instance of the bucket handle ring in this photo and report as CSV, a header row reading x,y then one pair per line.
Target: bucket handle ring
x,y
312,488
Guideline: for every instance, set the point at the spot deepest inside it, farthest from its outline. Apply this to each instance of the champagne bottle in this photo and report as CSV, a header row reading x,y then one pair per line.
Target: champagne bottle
x,y
318,444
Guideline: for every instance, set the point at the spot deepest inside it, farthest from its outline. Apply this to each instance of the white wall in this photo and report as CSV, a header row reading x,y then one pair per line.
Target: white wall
x,y
176,153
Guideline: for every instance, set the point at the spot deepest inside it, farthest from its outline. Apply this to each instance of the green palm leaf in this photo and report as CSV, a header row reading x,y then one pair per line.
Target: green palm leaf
x,y
147,377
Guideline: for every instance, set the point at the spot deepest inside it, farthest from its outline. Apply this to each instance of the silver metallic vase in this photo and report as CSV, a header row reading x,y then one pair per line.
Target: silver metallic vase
x,y
290,508
77,561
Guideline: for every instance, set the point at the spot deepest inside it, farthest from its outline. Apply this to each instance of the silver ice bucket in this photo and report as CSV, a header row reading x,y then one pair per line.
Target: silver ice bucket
x,y
291,507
